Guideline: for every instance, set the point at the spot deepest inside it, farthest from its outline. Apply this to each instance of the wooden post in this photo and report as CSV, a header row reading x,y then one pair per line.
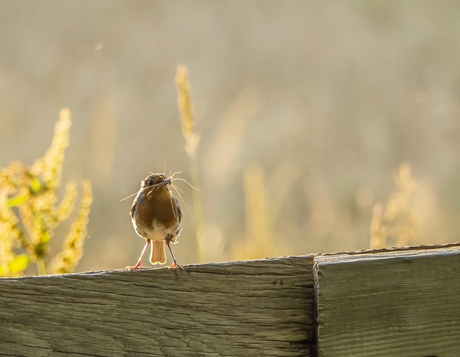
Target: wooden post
x,y
392,303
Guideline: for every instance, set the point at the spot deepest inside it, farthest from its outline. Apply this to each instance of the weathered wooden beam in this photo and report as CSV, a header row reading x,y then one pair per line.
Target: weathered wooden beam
x,y
253,308
392,303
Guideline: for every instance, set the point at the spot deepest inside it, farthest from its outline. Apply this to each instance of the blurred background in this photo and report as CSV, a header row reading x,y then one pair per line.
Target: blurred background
x,y
306,112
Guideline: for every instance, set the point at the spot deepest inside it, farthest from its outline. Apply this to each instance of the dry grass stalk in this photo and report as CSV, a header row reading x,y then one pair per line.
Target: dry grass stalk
x,y
396,223
192,139
377,230
184,102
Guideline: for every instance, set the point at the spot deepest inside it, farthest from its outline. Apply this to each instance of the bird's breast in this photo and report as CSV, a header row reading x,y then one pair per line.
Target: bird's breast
x,y
155,220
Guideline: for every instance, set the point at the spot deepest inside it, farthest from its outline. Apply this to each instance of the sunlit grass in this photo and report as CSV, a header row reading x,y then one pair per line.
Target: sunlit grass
x,y
396,222
72,248
29,212
192,139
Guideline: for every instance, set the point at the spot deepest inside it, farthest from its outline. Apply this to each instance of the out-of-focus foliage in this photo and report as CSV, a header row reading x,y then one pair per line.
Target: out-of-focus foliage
x,y
396,224
257,242
411,215
30,212
67,260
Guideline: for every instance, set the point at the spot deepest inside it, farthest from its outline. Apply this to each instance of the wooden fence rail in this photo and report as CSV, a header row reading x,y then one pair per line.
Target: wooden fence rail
x,y
392,302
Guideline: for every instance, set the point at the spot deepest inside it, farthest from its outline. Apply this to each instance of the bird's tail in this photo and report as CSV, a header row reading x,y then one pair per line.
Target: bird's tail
x,y
157,253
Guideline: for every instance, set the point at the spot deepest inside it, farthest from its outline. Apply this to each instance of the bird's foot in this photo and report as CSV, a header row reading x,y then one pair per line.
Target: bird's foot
x,y
136,267
176,266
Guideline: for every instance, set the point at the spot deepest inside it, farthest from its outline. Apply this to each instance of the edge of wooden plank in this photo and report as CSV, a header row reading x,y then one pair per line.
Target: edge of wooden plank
x,y
393,249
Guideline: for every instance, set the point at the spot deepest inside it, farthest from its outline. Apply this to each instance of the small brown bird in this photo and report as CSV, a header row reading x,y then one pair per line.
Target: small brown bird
x,y
156,217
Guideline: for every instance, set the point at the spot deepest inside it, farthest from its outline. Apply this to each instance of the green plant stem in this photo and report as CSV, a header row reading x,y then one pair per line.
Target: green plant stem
x,y
197,208
41,266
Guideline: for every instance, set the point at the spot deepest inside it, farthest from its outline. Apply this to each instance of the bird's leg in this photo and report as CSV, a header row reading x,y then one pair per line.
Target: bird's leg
x,y
138,264
174,265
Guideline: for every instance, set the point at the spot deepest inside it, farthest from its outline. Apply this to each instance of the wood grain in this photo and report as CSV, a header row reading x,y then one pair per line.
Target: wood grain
x,y
253,308
400,303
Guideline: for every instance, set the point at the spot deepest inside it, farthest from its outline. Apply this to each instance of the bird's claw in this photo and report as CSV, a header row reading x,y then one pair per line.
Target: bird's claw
x,y
176,267
136,267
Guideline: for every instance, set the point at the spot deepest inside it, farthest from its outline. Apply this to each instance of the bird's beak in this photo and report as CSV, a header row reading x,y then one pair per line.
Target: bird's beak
x,y
167,181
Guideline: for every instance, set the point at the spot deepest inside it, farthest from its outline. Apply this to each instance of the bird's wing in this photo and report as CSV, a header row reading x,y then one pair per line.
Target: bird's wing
x,y
133,208
178,210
